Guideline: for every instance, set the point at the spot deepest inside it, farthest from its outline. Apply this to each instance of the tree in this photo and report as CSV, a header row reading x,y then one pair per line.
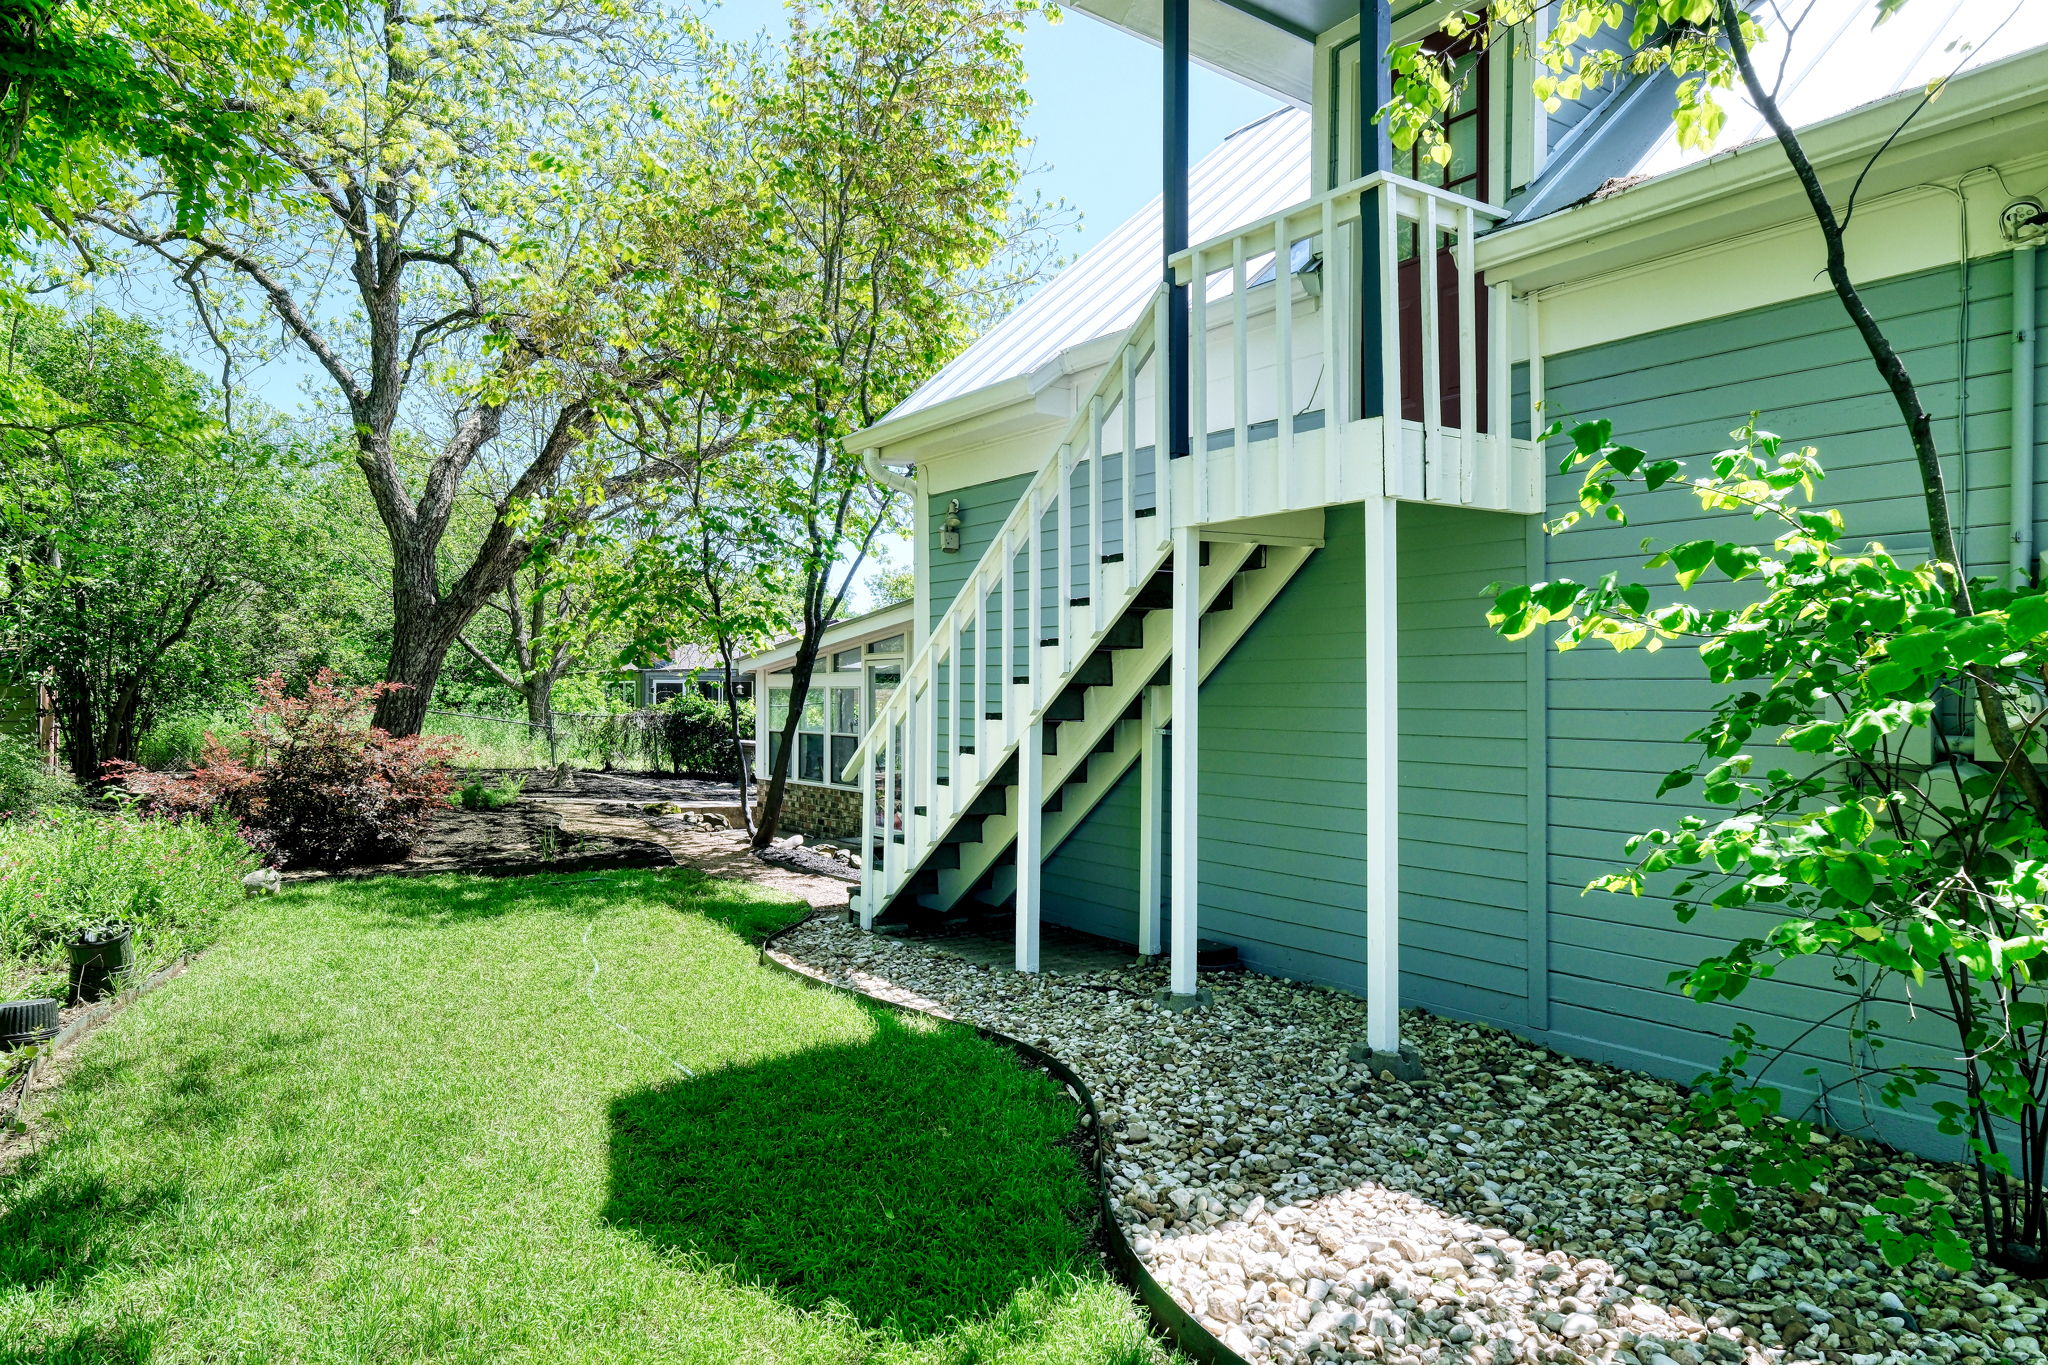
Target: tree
x,y
86,87
466,214
885,141
1922,869
147,552
886,587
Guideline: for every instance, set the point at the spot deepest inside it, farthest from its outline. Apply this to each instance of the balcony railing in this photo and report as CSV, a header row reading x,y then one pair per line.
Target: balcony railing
x,y
1384,316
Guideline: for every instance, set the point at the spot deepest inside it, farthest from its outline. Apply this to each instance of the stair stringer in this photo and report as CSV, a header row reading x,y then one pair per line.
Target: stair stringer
x,y
1221,633
1131,670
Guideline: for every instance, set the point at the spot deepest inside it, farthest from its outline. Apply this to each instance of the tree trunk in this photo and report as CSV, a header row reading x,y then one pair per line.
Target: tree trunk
x,y
778,780
732,720
421,637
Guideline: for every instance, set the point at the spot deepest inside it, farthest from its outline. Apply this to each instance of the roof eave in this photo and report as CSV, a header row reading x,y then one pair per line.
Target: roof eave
x,y
1695,204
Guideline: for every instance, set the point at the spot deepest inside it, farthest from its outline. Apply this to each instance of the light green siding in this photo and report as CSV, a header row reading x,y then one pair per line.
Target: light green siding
x,y
983,509
1616,723
1283,771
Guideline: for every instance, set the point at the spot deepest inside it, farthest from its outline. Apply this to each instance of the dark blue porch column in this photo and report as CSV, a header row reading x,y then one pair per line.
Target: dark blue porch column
x,y
1375,154
1174,223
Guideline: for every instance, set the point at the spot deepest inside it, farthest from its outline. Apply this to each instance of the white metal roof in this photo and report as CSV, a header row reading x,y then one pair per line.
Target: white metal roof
x,y
1827,57
1260,169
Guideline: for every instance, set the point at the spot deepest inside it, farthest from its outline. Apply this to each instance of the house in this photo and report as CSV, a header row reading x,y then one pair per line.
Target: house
x,y
860,662
1246,692
695,668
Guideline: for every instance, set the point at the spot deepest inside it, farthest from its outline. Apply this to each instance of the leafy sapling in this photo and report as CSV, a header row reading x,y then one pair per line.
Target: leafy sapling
x,y
1904,861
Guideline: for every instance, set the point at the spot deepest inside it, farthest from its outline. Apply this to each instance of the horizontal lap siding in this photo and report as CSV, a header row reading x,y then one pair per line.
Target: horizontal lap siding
x,y
1283,770
1091,880
1616,723
983,510
1282,784
1464,768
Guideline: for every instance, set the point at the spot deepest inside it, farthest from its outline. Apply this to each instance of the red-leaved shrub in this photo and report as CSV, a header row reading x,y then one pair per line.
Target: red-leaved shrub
x,y
323,787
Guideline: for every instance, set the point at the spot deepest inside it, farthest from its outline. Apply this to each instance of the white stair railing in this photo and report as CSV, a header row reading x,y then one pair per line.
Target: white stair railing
x,y
1092,528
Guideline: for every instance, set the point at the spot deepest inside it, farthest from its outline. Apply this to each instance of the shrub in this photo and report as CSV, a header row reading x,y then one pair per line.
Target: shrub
x,y
477,794
1836,804
26,785
322,787
71,869
694,735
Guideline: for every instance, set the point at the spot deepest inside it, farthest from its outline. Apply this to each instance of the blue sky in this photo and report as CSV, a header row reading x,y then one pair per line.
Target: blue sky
x,y
1094,115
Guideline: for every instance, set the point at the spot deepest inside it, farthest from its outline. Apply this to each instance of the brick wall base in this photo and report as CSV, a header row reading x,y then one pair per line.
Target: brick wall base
x,y
820,812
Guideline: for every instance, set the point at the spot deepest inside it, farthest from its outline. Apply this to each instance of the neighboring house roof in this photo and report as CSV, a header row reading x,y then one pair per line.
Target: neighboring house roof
x,y
1824,57
1260,169
687,659
881,621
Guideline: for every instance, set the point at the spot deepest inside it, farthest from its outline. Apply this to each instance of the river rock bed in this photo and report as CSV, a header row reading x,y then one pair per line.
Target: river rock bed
x,y
1514,1206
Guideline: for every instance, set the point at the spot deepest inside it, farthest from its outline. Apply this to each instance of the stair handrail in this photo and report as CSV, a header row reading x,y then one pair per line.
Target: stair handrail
x,y
1136,335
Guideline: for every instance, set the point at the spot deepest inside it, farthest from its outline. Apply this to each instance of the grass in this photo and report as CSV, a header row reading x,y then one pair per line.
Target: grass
x,y
381,1121
69,869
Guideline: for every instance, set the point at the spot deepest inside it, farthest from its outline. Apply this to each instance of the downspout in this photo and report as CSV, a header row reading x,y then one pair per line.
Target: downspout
x,y
2025,307
871,461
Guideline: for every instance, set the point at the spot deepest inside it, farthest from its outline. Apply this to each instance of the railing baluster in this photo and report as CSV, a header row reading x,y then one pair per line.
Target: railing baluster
x,y
1283,355
1390,322
1500,443
1006,658
1062,602
1432,353
1240,378
1198,386
1468,357
1162,396
981,754
1336,356
1097,521
956,672
1127,529
1034,599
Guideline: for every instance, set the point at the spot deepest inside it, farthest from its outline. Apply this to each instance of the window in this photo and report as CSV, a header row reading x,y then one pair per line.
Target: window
x,y
847,658
827,730
667,692
892,645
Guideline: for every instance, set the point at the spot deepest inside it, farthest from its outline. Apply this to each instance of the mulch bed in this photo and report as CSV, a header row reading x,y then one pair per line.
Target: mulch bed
x,y
519,839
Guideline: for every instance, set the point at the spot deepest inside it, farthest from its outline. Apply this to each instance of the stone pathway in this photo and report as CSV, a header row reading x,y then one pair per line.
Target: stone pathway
x,y
719,852
1516,1207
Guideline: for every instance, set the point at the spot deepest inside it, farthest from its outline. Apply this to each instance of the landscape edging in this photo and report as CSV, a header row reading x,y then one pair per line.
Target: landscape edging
x,y
1179,1326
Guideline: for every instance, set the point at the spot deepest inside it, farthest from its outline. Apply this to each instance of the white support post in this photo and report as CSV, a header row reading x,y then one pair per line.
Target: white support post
x,y
1150,809
1186,675
1382,782
1030,841
869,863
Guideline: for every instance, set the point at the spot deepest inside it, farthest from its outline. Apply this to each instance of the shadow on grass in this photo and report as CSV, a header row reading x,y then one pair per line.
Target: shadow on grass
x,y
918,1180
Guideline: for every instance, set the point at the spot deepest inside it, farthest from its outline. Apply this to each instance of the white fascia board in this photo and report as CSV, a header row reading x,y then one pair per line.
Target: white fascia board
x,y
888,620
1737,192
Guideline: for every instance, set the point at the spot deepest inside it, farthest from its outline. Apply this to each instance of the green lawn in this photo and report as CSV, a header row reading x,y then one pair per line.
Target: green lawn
x,y
381,1122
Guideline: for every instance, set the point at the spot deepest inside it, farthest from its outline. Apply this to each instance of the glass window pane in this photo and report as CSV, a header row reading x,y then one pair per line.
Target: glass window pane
x,y
845,710
846,658
774,749
843,747
810,758
778,707
814,710
892,645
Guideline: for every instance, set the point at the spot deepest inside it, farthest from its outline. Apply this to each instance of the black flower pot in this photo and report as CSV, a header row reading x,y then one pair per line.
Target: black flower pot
x,y
102,961
23,1022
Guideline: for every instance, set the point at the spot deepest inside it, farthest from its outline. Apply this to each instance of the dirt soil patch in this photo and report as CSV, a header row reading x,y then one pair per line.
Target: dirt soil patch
x,y
624,786
526,836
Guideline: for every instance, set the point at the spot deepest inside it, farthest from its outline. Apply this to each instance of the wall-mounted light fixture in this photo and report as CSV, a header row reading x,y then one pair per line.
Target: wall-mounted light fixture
x,y
949,529
1311,274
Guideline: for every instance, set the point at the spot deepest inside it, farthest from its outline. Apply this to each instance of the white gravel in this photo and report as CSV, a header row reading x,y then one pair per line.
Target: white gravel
x,y
1518,1206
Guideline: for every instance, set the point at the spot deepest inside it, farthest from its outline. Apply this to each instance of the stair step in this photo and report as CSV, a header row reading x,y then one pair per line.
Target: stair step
x,y
1071,704
1223,599
1116,558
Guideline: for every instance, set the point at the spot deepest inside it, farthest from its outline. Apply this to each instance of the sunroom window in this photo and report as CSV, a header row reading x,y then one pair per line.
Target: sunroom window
x,y
827,728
